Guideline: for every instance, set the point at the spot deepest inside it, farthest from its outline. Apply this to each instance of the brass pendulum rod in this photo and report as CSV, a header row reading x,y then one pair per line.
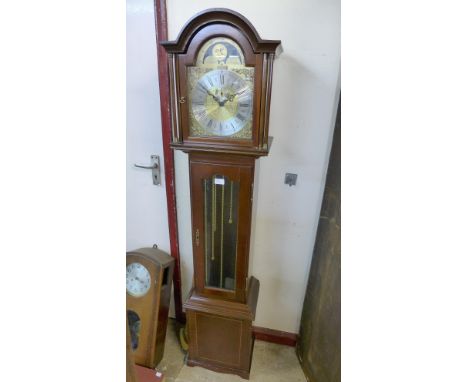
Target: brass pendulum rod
x,y
206,230
222,235
213,217
230,206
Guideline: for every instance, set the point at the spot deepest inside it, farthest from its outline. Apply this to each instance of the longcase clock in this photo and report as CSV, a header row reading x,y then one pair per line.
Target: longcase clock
x,y
220,78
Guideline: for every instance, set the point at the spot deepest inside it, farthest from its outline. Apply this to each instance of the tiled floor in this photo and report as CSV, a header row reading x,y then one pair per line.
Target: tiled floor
x,y
270,363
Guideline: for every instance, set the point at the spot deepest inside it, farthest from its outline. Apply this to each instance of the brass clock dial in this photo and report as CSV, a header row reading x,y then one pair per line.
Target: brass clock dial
x,y
222,102
221,91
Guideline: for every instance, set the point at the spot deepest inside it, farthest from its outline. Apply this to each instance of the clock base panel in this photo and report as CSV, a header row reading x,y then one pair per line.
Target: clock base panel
x,y
220,332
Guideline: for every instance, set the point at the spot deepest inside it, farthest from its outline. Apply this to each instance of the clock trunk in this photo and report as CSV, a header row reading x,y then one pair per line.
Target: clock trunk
x,y
221,192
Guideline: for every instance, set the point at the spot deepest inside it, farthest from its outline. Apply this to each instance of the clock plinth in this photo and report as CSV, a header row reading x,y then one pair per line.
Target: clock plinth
x,y
220,332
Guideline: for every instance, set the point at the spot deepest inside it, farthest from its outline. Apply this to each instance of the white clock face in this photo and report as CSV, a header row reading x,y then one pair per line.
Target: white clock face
x,y
138,280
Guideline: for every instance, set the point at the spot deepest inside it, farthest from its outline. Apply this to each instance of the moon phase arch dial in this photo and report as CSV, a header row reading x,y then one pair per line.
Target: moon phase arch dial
x,y
220,51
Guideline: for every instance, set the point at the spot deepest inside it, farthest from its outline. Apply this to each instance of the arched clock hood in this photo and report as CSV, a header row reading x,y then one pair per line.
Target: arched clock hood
x,y
221,16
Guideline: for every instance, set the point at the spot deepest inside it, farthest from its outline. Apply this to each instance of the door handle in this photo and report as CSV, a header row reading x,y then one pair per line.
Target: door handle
x,y
147,167
155,169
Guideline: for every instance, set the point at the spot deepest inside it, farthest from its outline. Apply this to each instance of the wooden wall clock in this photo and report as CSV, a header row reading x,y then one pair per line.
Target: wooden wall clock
x,y
149,281
220,78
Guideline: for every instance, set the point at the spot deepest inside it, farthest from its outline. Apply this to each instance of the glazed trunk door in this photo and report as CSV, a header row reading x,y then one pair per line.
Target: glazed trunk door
x,y
221,204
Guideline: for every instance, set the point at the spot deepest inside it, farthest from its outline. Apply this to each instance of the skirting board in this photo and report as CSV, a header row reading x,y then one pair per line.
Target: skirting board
x,y
268,335
275,336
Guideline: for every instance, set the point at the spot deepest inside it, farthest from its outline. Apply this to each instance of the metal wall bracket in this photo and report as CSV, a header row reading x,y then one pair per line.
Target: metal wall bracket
x,y
155,169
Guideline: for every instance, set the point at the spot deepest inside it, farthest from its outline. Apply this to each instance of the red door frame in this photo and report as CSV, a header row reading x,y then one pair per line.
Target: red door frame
x,y
163,75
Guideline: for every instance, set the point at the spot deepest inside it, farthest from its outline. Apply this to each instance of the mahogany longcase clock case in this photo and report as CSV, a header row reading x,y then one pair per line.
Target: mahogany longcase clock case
x,y
220,79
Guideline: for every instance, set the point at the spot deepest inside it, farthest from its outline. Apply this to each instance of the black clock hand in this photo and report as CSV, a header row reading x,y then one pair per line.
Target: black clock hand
x,y
231,96
215,97
222,100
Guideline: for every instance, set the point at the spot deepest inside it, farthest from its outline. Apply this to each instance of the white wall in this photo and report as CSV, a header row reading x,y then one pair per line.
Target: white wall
x,y
146,203
304,100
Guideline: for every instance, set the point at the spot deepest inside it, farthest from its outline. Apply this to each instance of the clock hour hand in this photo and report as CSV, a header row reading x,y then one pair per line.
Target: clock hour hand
x,y
209,92
216,98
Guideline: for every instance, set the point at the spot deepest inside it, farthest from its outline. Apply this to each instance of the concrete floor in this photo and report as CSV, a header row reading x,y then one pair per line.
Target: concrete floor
x,y
270,363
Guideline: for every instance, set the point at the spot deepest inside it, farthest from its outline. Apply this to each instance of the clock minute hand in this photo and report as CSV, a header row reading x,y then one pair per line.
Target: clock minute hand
x,y
216,98
231,96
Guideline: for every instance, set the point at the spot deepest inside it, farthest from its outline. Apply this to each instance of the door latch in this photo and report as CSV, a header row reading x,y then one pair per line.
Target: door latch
x,y
155,169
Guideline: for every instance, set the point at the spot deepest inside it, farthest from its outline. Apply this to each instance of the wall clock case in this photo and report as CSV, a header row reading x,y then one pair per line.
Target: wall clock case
x,y
220,79
149,280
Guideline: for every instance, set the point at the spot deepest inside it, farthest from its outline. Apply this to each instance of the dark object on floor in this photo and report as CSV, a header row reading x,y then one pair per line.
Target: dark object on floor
x,y
319,342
